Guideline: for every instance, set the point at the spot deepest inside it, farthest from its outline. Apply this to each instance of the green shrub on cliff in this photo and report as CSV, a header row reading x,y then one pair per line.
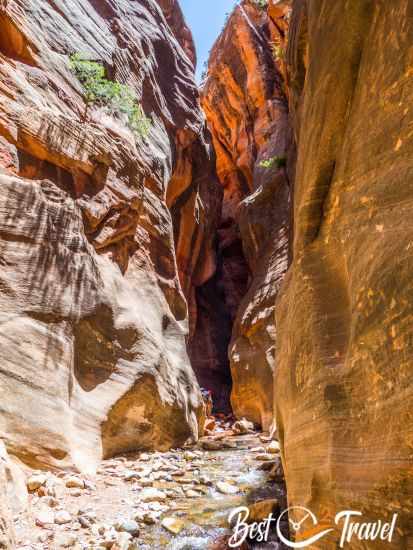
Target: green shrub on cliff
x,y
276,161
261,4
116,97
277,51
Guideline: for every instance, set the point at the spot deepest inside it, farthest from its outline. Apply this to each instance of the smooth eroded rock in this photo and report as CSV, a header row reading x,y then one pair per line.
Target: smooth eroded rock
x,y
344,390
244,98
104,233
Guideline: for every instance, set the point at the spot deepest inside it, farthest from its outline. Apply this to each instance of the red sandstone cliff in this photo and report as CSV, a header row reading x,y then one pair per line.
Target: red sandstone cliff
x,y
246,107
174,16
344,391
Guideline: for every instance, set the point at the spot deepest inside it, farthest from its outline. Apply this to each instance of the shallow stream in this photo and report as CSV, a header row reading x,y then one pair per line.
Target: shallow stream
x,y
185,487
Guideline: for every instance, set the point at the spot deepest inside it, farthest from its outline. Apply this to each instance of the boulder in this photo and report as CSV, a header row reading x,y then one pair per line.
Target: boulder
x,y
260,511
173,525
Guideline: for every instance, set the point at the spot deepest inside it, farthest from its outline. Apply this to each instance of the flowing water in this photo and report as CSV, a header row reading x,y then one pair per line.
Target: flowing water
x,y
206,518
188,494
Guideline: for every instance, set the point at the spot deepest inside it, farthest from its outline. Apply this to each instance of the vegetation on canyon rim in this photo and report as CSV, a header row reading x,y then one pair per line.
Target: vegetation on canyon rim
x,y
118,98
262,4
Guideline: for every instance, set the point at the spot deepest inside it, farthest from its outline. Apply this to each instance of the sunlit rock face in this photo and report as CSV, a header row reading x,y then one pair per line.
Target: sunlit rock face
x,y
103,234
245,102
13,498
344,391
174,16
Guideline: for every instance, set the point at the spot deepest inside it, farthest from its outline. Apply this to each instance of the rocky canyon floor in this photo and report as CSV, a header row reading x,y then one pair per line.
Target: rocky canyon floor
x,y
177,500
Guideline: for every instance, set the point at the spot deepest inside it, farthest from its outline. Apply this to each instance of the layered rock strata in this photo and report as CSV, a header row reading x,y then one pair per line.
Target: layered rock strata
x,y
245,102
103,233
344,389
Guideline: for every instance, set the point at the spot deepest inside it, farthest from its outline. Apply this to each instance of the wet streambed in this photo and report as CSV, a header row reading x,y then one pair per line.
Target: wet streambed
x,y
177,500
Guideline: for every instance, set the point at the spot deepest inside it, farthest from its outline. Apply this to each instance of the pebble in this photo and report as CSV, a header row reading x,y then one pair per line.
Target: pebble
x,y
49,501
229,445
42,491
64,540
146,482
178,473
185,480
266,466
123,542
44,517
149,518
265,457
175,491
101,530
149,494
211,445
204,480
129,475
128,526
258,450
173,525
74,482
243,426
88,514
36,481
273,447
189,455
226,488
62,517
108,542
84,522
157,506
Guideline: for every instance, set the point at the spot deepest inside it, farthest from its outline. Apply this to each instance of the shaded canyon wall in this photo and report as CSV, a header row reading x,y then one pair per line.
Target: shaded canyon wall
x,y
245,102
344,390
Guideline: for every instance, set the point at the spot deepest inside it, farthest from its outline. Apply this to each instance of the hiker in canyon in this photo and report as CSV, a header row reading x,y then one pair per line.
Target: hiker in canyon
x,y
205,266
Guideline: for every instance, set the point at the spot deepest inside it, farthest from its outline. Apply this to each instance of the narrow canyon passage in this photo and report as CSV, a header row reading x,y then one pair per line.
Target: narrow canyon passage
x,y
205,285
147,276
218,301
243,95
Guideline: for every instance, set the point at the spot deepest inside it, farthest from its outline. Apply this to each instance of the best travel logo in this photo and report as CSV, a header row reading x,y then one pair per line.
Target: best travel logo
x,y
348,526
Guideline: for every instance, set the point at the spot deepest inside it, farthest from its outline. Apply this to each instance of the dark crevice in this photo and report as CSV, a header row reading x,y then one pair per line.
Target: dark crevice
x,y
218,301
208,348
32,168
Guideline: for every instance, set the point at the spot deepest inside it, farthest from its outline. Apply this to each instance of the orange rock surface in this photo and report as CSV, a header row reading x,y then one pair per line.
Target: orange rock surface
x,y
344,391
246,107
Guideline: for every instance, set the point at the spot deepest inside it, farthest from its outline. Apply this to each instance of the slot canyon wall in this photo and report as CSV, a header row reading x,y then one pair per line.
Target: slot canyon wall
x,y
121,257
245,102
344,390
103,234
335,102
